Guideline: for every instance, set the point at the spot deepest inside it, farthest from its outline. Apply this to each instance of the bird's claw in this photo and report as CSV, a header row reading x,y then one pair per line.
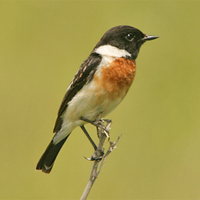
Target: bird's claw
x,y
100,124
105,128
94,157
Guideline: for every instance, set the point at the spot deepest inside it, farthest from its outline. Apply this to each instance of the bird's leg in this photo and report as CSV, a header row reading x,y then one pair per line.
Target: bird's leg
x,y
99,124
94,157
89,138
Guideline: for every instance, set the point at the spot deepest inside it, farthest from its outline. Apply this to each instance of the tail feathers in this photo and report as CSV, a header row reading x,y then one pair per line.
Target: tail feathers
x,y
47,160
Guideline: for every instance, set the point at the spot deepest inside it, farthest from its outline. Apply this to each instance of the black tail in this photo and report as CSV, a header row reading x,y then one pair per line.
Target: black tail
x,y
47,160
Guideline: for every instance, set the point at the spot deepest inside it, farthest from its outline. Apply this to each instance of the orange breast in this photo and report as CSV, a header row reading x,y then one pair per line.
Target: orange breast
x,y
116,79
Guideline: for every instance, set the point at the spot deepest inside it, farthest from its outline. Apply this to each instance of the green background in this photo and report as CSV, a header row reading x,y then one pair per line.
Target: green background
x,y
42,45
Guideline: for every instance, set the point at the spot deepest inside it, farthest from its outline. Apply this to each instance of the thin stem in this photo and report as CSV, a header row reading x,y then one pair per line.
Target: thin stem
x,y
93,174
98,154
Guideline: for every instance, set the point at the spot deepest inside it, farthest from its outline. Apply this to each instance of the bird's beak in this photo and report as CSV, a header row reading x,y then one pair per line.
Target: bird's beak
x,y
149,37
146,38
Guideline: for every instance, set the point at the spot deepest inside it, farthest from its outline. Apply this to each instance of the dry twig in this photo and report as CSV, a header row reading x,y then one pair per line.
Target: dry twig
x,y
99,156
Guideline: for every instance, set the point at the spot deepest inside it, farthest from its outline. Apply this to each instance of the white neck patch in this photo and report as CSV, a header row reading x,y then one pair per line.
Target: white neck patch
x,y
108,50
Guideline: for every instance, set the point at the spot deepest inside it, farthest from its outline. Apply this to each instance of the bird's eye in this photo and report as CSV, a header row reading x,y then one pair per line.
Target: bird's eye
x,y
130,37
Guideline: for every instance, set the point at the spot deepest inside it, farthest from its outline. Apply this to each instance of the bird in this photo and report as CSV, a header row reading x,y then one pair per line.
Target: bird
x,y
98,87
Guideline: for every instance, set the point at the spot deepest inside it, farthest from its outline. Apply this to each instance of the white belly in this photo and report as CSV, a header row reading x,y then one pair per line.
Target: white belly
x,y
100,96
89,103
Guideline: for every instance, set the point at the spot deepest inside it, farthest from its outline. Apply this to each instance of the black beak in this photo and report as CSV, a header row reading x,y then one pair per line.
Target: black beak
x,y
149,37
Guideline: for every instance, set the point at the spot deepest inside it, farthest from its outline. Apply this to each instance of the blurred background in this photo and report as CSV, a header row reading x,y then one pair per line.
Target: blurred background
x,y
42,45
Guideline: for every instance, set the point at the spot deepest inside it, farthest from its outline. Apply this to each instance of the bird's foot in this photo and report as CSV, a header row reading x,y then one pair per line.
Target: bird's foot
x,y
100,124
97,155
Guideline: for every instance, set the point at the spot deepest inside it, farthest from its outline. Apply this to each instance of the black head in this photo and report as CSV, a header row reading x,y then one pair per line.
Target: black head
x,y
125,38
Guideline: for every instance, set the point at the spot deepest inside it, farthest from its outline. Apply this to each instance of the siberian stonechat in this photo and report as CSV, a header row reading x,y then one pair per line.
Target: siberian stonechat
x,y
98,87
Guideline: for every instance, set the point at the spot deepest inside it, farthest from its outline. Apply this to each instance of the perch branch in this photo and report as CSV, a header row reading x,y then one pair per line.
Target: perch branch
x,y
99,156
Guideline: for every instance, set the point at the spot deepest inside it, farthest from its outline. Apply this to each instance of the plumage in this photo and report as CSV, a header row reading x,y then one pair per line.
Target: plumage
x,y
98,87
83,76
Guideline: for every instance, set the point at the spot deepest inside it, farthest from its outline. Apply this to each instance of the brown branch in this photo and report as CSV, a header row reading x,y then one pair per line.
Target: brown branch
x,y
98,156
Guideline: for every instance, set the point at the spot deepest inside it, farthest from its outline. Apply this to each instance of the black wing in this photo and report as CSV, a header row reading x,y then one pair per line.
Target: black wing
x,y
82,77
